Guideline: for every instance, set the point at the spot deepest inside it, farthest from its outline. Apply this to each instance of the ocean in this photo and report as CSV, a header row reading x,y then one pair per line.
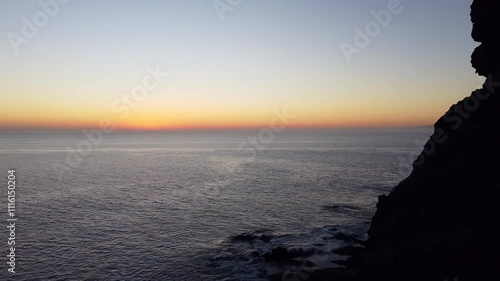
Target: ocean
x,y
170,205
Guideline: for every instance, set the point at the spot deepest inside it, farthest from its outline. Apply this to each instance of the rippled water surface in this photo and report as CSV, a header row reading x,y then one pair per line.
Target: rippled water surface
x,y
164,205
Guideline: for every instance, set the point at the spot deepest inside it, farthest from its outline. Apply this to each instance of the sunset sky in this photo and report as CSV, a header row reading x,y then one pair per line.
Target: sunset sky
x,y
233,71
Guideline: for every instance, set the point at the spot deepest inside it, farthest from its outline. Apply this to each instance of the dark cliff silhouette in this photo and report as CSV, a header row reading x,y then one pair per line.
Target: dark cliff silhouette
x,y
441,222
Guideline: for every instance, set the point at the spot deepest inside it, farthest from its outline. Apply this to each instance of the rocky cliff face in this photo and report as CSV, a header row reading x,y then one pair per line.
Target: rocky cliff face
x,y
441,222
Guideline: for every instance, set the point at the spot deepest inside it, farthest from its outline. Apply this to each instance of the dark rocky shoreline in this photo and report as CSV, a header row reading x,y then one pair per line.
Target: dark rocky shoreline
x,y
439,223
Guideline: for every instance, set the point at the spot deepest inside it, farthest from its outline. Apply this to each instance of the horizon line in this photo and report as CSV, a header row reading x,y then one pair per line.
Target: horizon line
x,y
226,128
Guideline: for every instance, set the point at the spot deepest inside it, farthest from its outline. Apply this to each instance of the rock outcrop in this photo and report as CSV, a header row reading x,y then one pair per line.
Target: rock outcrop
x,y
485,16
441,222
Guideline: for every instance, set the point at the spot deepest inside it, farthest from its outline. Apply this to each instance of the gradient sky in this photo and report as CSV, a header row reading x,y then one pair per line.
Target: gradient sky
x,y
264,55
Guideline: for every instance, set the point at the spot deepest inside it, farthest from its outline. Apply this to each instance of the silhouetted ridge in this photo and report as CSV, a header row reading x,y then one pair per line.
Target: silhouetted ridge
x,y
486,23
441,222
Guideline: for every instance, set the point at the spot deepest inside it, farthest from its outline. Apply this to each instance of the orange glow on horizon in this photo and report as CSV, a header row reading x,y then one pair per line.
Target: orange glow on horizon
x,y
193,118
137,126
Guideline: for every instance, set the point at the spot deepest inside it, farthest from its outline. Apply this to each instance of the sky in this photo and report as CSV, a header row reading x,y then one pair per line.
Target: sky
x,y
232,63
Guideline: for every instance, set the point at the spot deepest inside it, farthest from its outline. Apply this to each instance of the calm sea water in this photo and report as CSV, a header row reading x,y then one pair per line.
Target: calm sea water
x,y
165,205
